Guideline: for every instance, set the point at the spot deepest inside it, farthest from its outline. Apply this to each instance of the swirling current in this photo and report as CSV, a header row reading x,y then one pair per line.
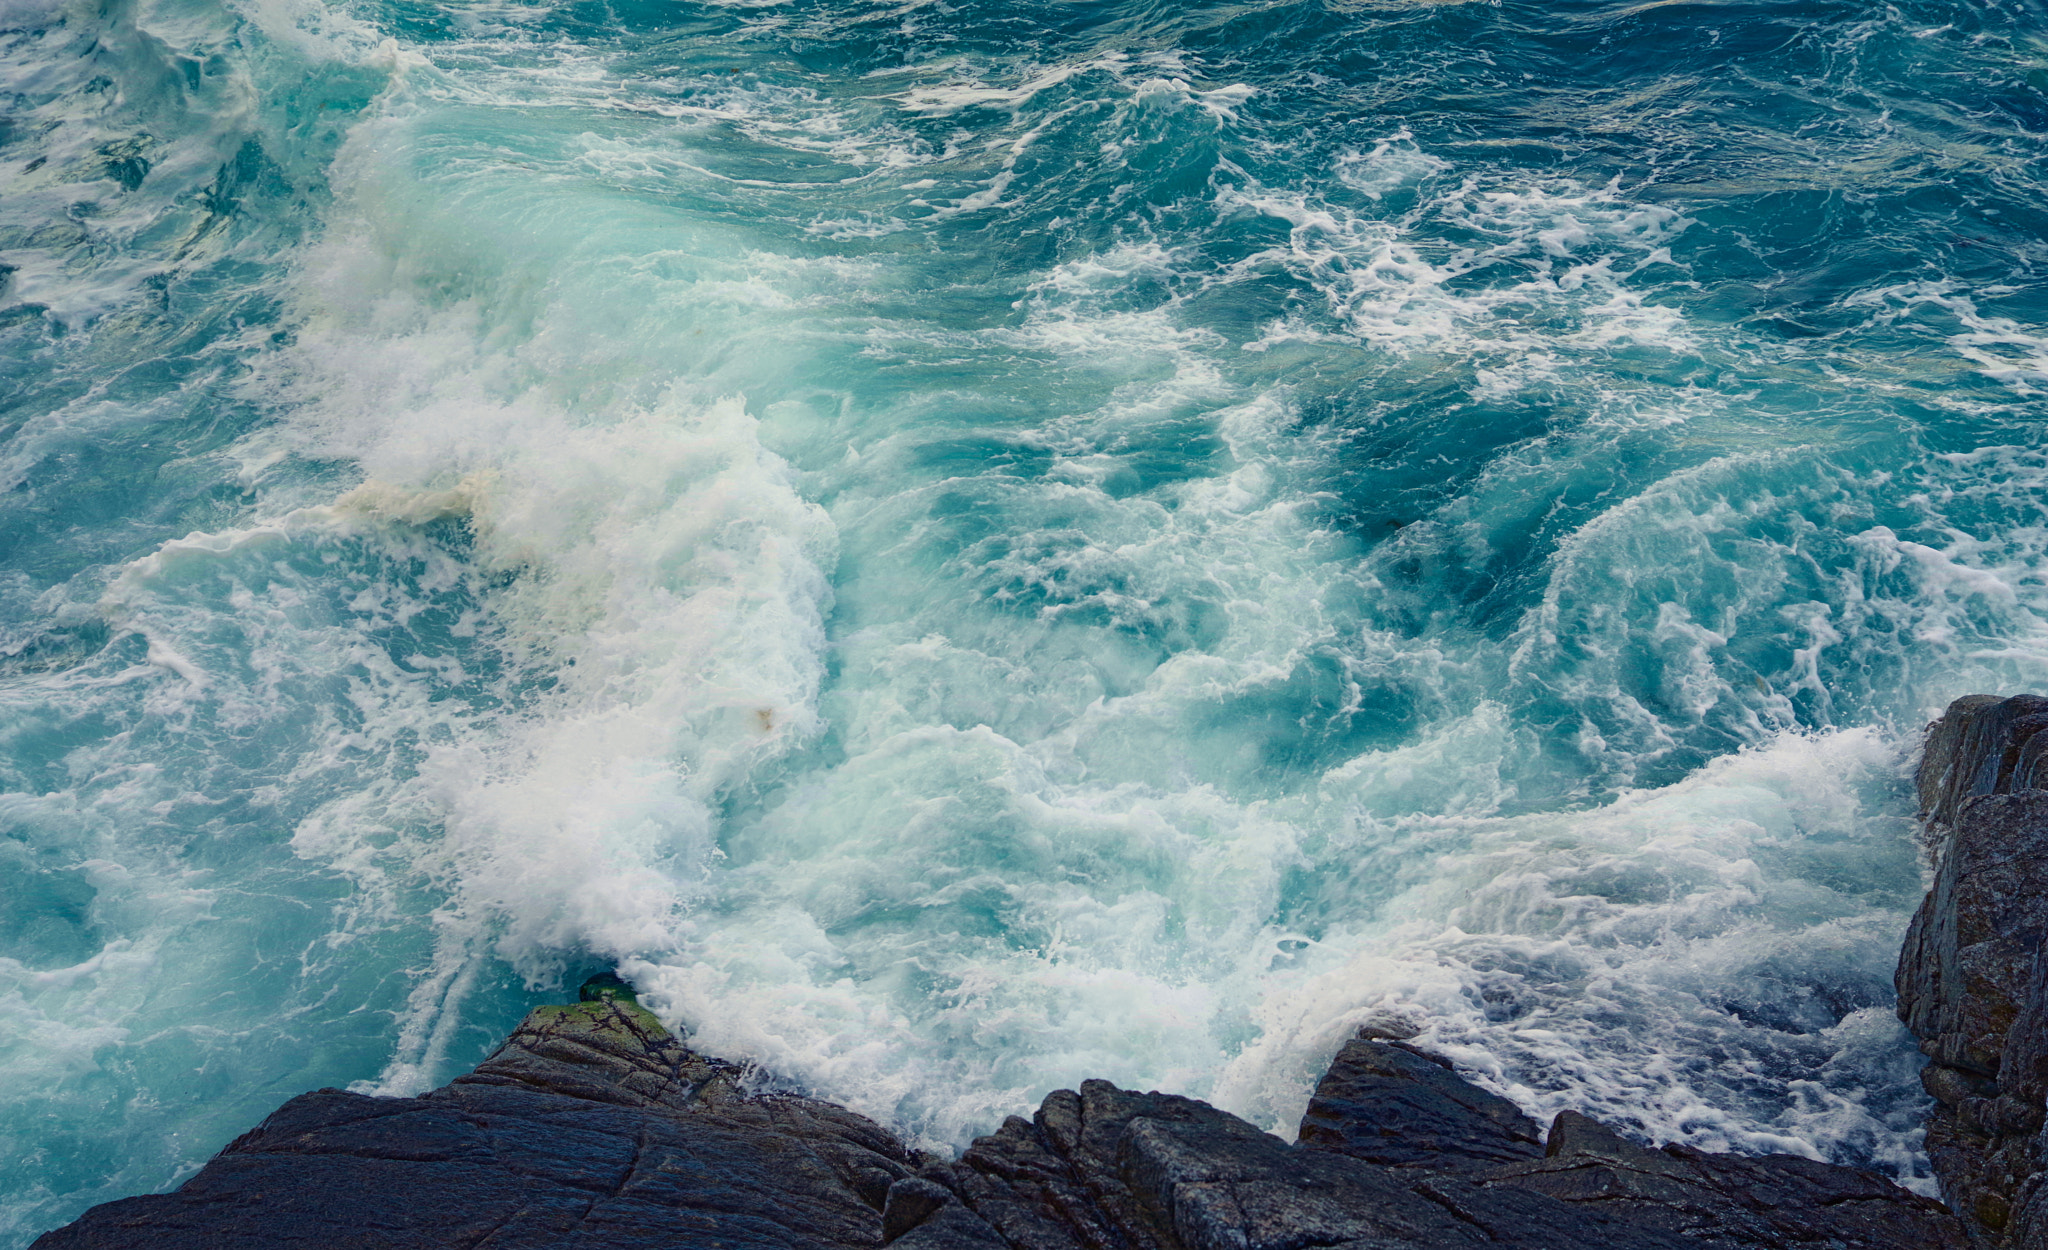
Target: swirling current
x,y
965,545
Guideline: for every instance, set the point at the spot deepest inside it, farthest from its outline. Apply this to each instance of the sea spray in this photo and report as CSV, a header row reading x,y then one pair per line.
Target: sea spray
x,y
970,549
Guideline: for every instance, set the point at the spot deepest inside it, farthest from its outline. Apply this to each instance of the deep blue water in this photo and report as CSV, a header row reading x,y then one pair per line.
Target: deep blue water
x,y
971,545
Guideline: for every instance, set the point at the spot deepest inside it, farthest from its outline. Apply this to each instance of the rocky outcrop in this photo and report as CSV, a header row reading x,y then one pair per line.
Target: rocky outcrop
x,y
591,1122
1972,984
592,1125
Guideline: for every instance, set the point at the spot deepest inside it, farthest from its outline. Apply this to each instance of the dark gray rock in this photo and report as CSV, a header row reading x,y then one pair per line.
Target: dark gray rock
x,y
1725,1201
1388,1104
1108,1168
1979,746
1969,954
594,1126
1972,984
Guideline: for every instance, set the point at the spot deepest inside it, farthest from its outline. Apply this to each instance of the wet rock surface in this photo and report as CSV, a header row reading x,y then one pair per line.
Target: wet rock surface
x,y
594,1126
591,1124
1973,986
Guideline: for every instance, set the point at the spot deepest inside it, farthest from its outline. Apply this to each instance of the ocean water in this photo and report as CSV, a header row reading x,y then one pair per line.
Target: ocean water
x,y
965,545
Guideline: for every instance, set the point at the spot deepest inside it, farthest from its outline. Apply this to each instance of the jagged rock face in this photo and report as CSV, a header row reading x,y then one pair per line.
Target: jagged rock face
x,y
593,1125
592,1122
1972,985
1106,1167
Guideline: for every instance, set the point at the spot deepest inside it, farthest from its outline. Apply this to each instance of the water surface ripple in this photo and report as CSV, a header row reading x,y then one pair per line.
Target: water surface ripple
x,y
971,545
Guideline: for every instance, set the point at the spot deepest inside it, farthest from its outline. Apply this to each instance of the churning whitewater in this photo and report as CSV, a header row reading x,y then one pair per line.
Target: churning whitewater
x,y
965,546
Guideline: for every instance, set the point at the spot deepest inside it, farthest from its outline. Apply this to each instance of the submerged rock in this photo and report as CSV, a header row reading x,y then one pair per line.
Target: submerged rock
x,y
1972,984
594,1125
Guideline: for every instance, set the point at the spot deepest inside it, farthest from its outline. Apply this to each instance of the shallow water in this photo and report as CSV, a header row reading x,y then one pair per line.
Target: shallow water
x,y
967,546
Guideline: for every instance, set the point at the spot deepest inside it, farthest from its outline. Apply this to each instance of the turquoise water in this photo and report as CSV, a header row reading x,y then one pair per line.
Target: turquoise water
x,y
966,546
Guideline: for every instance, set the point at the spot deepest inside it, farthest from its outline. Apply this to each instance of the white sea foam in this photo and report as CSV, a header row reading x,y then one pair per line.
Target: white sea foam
x,y
1545,250
1582,960
2002,348
1051,849
938,687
